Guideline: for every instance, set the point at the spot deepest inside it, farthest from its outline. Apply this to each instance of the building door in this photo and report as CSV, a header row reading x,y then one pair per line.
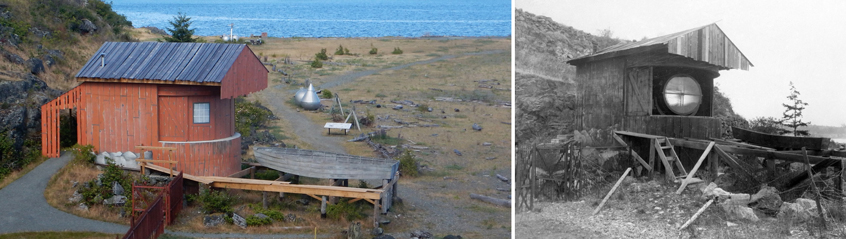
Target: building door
x,y
173,118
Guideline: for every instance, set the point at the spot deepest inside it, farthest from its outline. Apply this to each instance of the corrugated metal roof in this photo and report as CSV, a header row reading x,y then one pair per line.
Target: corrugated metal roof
x,y
706,43
162,61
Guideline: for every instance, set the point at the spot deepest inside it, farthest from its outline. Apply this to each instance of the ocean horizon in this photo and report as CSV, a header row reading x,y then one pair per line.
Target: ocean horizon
x,y
322,18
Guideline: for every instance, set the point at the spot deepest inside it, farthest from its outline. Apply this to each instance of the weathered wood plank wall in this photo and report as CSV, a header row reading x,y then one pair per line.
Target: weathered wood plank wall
x,y
600,94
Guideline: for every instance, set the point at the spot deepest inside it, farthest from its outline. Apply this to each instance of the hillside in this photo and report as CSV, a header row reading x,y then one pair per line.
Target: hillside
x,y
43,43
545,89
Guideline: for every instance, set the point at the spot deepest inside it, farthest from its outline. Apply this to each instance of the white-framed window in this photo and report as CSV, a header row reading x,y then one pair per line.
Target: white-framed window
x,y
682,94
201,113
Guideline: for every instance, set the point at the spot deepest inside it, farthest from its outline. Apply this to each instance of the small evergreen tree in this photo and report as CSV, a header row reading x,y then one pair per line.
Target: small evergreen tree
x,y
316,63
340,50
180,31
792,118
322,55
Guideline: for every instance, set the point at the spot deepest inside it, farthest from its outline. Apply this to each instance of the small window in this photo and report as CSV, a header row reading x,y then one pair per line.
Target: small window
x,y
201,113
683,95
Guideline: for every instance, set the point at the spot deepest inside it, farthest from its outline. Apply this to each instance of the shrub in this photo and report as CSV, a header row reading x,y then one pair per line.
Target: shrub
x,y
253,220
94,194
267,175
423,108
275,215
326,94
249,115
216,201
82,153
343,209
380,95
340,50
346,51
408,164
322,55
316,63
396,51
373,51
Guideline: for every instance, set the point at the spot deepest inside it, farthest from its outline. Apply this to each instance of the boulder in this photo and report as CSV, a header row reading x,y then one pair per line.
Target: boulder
x,y
290,217
739,212
384,236
213,220
476,127
769,201
39,33
118,200
87,26
802,209
452,237
35,66
101,158
377,231
117,189
421,234
76,197
82,207
239,221
260,215
129,155
13,58
457,152
354,231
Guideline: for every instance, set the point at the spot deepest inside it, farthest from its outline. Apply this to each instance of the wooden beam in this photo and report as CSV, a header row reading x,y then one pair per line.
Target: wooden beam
x,y
695,168
245,181
731,161
242,173
636,156
701,145
155,148
305,189
185,175
156,161
612,191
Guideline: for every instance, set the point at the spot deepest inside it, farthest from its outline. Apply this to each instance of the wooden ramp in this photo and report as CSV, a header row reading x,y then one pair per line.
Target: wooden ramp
x,y
372,196
320,164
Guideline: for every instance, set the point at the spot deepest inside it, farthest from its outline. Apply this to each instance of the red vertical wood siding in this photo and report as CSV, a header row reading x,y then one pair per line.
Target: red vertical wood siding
x,y
211,158
247,75
117,117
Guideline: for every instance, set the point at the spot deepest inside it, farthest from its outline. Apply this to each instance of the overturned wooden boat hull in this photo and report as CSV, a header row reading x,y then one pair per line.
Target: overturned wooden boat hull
x,y
780,142
319,164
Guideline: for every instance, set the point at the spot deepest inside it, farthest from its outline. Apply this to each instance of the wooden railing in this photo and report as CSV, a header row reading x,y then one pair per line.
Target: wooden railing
x,y
162,211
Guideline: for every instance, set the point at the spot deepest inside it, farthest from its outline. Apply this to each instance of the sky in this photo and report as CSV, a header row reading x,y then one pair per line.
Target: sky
x,y
799,41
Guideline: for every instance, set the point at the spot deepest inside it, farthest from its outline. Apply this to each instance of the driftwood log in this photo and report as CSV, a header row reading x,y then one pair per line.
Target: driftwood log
x,y
495,201
383,152
503,178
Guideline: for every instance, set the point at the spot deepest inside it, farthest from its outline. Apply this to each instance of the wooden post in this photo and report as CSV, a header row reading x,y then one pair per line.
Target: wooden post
x,y
816,190
652,157
532,176
714,166
612,191
771,171
323,207
375,213
843,177
264,200
696,215
385,196
687,181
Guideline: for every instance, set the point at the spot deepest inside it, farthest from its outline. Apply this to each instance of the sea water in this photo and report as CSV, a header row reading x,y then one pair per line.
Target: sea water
x,y
323,18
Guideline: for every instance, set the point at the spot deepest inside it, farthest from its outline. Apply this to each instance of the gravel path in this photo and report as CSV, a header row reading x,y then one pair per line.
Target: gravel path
x,y
23,207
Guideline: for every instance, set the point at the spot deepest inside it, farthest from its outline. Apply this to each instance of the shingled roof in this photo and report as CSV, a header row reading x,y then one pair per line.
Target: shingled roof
x,y
168,62
706,43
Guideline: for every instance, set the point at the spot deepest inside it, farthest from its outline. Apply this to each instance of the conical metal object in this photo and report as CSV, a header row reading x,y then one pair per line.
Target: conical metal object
x,y
310,100
298,97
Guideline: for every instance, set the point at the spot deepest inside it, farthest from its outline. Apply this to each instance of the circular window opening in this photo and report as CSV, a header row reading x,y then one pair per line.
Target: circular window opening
x,y
682,94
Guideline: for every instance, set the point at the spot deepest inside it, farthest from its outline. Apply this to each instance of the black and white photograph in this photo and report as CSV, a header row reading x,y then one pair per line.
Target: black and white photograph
x,y
679,119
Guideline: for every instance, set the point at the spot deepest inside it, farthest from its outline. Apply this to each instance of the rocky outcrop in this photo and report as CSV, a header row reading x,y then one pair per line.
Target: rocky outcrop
x,y
20,107
545,107
35,66
87,26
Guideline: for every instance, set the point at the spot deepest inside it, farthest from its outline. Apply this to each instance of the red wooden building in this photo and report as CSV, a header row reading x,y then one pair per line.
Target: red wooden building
x,y
161,94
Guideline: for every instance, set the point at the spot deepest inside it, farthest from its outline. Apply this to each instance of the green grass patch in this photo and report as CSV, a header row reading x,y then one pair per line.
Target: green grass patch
x,y
454,166
483,209
388,140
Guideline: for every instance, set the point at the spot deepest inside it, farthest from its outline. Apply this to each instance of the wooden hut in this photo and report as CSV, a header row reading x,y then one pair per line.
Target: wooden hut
x,y
161,94
660,86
